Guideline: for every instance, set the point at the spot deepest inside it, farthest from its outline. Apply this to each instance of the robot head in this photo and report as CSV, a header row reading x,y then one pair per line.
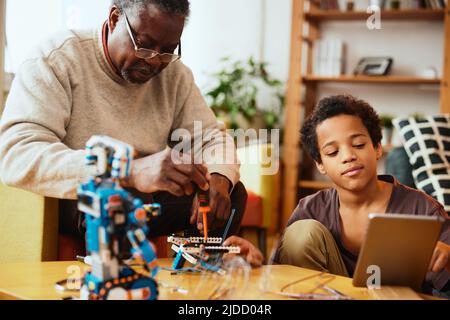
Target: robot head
x,y
108,157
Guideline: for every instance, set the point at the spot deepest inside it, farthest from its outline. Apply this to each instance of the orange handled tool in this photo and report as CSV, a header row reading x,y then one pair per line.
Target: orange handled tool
x,y
204,209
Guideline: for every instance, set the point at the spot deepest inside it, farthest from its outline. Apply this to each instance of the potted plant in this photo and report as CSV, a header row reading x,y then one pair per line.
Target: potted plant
x,y
395,4
418,116
386,128
235,95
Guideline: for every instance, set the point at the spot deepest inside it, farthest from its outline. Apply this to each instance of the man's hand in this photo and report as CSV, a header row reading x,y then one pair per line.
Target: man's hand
x,y
248,251
167,171
440,258
219,202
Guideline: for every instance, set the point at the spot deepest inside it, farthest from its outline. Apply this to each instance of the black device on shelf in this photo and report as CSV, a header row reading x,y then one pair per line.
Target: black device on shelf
x,y
374,66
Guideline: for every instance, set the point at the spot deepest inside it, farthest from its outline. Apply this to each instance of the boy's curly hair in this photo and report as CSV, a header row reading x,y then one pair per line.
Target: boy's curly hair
x,y
333,106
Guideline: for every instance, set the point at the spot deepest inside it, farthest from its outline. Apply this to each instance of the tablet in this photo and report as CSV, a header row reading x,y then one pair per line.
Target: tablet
x,y
399,247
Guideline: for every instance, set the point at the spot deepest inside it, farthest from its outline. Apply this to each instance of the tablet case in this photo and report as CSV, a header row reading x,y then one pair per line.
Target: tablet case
x,y
401,246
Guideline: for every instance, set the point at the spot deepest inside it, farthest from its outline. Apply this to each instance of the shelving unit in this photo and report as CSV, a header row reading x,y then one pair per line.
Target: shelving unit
x,y
411,14
2,51
372,79
304,83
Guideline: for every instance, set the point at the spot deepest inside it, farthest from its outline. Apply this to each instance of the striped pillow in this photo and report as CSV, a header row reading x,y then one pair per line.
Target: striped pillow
x,y
427,143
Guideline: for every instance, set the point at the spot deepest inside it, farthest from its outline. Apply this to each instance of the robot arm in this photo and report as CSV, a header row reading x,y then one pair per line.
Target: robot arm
x,y
143,249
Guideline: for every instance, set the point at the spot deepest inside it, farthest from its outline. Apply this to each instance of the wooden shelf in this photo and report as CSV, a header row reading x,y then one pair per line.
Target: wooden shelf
x,y
305,30
318,185
373,79
336,15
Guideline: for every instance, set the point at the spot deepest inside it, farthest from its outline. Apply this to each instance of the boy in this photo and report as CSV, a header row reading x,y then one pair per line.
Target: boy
x,y
326,230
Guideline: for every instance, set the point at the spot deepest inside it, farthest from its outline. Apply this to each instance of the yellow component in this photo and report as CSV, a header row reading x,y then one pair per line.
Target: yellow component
x,y
91,285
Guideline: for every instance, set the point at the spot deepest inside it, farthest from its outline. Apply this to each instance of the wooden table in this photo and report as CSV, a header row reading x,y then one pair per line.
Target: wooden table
x,y
37,281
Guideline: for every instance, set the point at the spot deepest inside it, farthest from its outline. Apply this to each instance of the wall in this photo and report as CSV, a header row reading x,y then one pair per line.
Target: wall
x,y
218,29
30,21
237,29
81,14
27,23
278,37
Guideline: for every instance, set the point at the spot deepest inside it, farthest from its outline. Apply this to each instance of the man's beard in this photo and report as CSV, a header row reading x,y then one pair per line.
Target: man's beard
x,y
127,74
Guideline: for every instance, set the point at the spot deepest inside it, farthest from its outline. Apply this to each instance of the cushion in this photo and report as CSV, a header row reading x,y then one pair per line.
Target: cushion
x,y
253,215
397,165
256,162
427,142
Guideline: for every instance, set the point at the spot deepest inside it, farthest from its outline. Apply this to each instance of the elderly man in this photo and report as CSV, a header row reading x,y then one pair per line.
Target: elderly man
x,y
124,80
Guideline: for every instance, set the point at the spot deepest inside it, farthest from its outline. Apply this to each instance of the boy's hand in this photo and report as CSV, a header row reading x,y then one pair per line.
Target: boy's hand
x,y
440,258
248,251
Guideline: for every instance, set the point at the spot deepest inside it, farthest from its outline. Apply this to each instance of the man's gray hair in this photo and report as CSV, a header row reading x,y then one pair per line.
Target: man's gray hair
x,y
180,7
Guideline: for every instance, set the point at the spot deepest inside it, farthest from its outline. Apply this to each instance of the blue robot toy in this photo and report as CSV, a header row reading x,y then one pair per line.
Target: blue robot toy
x,y
116,226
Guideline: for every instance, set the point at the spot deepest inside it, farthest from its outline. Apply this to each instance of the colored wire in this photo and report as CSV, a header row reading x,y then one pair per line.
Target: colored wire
x,y
225,232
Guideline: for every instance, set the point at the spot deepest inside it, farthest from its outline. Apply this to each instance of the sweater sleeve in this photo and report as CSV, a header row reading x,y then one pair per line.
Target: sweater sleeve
x,y
210,143
32,128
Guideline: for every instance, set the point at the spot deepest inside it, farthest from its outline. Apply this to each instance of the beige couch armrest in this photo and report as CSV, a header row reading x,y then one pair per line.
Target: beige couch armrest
x,y
28,226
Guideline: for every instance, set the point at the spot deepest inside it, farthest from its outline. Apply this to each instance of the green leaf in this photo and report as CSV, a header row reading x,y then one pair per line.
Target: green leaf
x,y
237,87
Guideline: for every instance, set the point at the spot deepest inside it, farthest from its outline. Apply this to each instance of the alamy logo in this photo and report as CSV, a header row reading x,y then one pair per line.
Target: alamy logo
x,y
374,21
374,280
212,146
75,277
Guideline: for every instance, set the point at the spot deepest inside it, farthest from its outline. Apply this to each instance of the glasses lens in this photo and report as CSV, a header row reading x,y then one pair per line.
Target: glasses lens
x,y
168,58
146,53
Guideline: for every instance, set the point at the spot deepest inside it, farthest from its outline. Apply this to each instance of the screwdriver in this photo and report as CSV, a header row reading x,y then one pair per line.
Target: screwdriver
x,y
204,209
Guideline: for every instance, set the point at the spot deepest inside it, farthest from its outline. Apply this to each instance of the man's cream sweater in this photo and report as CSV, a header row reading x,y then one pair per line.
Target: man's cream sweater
x,y
66,91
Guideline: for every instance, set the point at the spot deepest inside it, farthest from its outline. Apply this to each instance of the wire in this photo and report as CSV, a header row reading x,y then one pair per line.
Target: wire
x,y
309,296
300,280
225,232
335,295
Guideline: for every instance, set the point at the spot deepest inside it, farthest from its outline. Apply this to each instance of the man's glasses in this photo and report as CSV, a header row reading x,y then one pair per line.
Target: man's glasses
x,y
149,54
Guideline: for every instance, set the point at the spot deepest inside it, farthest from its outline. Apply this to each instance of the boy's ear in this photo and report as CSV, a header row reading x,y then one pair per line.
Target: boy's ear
x,y
379,150
320,167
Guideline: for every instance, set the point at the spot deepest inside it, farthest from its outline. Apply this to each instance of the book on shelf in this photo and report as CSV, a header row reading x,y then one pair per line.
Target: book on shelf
x,y
329,4
417,4
430,4
328,57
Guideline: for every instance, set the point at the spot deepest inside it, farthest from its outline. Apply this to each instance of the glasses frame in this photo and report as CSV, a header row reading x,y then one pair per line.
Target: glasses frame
x,y
149,54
